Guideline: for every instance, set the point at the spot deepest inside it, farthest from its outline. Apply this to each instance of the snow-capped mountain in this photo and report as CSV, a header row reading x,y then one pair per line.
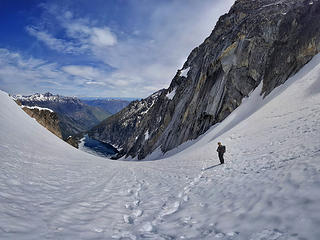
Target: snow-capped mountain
x,y
74,116
38,97
261,42
268,188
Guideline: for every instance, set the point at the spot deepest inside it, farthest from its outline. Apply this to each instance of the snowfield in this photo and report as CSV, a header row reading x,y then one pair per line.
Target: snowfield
x,y
269,188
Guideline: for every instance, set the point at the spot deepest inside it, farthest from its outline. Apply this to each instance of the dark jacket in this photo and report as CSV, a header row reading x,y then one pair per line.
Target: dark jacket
x,y
221,149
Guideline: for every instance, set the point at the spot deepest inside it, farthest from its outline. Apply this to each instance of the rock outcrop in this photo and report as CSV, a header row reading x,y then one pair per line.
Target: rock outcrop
x,y
257,42
46,118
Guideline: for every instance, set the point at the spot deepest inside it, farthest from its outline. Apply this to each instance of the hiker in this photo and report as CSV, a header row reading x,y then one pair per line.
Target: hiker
x,y
221,150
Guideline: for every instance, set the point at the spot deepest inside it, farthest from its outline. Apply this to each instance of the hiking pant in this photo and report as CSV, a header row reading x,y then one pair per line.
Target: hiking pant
x,y
221,158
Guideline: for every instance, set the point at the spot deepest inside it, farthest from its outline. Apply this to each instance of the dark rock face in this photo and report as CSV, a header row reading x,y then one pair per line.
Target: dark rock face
x,y
257,42
73,141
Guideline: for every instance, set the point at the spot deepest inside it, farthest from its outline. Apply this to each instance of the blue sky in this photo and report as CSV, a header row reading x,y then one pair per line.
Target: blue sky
x,y
105,48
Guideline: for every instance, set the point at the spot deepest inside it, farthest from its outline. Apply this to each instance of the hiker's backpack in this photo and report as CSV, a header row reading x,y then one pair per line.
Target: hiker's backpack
x,y
223,149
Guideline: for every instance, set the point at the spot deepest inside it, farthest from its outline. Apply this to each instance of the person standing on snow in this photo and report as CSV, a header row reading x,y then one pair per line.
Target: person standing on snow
x,y
221,150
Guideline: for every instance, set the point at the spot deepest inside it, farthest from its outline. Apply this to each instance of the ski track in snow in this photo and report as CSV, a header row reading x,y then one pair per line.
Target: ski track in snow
x,y
269,187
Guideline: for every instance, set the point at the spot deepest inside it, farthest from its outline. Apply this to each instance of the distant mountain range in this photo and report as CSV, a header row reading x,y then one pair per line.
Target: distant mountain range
x,y
110,105
74,116
128,99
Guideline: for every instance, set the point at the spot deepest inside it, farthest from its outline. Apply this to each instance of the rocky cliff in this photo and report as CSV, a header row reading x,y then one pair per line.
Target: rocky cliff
x,y
46,118
257,42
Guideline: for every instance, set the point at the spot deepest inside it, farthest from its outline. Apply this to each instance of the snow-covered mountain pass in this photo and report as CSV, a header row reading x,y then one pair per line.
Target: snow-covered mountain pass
x,y
269,187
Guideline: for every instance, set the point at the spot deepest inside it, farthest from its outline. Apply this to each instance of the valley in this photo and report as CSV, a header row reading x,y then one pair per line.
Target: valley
x,y
147,165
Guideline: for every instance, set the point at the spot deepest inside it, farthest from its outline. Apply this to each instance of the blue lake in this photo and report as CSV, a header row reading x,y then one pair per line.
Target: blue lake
x,y
97,148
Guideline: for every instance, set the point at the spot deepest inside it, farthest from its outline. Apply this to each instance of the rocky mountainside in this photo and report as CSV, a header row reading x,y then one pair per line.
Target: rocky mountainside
x,y
128,122
257,42
74,116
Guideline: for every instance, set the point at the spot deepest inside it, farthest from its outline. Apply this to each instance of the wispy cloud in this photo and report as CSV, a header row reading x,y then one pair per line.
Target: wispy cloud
x,y
83,36
171,33
131,62
25,75
102,37
86,72
55,43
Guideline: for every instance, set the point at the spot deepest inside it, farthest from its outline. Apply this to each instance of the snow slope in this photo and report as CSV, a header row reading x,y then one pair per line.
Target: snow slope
x,y
269,187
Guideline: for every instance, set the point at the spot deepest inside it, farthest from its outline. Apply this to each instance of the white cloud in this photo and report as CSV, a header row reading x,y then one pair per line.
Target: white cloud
x,y
173,31
25,75
85,37
102,37
96,83
143,59
19,74
86,72
54,43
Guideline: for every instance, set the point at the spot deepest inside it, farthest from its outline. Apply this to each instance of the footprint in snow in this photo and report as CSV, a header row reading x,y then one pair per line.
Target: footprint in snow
x,y
232,234
267,234
170,209
136,203
128,206
137,195
147,227
137,213
187,219
124,235
128,219
219,235
130,191
185,198
99,230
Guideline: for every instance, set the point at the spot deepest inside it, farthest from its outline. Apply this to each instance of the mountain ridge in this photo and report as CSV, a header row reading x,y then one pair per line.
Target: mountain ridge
x,y
74,116
109,105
